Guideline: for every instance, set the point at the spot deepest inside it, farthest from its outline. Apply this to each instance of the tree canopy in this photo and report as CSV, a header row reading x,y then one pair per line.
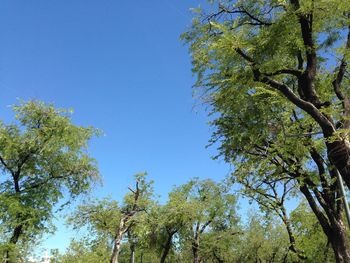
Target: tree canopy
x,y
43,159
276,75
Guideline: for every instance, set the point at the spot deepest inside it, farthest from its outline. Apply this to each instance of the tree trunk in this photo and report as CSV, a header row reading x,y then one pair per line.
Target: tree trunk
x,y
339,154
117,241
195,245
17,232
167,247
132,252
339,242
123,228
116,250
195,250
13,241
333,227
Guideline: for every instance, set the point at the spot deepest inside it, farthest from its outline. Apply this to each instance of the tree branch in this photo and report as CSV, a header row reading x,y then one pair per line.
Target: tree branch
x,y
306,80
310,108
294,72
343,97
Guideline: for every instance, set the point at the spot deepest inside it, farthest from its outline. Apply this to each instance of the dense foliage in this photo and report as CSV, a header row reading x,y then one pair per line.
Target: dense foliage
x,y
198,223
43,160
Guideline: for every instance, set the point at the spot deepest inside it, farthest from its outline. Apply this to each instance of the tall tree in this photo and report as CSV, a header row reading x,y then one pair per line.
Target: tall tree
x,y
43,159
135,202
106,218
276,72
167,221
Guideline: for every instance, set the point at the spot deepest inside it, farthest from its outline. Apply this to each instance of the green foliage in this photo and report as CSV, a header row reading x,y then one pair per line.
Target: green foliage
x,y
251,112
85,251
202,203
264,241
145,194
100,216
213,218
278,105
103,218
43,159
310,236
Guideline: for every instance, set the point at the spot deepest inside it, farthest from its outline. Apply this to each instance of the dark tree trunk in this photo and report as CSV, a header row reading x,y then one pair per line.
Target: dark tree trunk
x,y
16,234
167,246
333,227
195,245
132,244
13,241
195,251
339,242
132,252
339,154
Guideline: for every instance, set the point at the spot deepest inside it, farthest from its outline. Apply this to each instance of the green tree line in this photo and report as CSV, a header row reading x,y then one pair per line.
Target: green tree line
x,y
199,222
275,77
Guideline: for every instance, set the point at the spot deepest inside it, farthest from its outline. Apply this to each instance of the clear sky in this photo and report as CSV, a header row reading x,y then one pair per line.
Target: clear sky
x,y
121,66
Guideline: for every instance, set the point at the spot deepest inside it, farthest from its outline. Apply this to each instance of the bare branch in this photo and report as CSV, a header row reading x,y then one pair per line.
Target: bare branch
x,y
242,10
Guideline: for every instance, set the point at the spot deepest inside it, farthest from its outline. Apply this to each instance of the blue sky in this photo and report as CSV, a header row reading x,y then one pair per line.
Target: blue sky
x,y
122,67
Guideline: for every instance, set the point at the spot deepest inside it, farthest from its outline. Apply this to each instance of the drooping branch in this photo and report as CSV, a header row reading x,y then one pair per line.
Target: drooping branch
x,y
244,11
307,106
254,20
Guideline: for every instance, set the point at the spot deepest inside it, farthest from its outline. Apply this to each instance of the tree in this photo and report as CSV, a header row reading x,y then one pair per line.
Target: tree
x,y
100,218
213,209
43,159
106,218
167,221
266,69
264,240
134,203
